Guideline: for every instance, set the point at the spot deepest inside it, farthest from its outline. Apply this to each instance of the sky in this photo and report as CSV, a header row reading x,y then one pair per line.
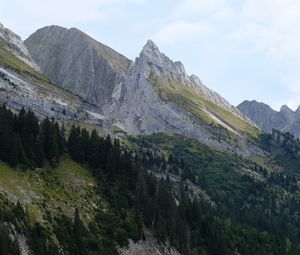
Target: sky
x,y
243,49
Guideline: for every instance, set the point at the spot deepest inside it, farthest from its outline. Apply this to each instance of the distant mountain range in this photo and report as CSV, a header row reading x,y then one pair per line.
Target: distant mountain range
x,y
285,120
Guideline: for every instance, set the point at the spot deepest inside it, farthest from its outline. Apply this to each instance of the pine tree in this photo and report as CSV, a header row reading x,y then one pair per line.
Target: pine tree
x,y
40,155
13,152
93,155
77,231
51,146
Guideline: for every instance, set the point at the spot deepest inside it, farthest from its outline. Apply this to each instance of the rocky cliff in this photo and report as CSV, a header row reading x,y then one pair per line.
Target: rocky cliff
x,y
159,96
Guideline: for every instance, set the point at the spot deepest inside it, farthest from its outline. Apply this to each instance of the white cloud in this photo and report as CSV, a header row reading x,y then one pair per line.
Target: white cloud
x,y
22,15
271,25
268,29
182,31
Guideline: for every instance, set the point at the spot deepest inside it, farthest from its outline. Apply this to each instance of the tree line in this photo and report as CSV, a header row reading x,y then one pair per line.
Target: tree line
x,y
137,199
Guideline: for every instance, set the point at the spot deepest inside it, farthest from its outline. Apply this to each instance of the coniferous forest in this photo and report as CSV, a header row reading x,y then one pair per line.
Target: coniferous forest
x,y
139,198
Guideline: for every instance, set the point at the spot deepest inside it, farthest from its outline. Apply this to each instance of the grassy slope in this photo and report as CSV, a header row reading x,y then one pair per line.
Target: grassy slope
x,y
10,61
187,99
223,176
52,192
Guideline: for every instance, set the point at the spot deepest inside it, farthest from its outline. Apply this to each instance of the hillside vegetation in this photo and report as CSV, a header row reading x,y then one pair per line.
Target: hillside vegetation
x,y
112,194
201,108
263,196
67,190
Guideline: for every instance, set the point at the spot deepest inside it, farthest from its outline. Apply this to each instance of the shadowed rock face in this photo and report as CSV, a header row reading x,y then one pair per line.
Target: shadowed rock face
x,y
285,120
76,62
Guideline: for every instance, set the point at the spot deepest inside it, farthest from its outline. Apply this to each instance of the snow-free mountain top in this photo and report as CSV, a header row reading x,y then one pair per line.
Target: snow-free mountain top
x,y
159,96
162,65
76,62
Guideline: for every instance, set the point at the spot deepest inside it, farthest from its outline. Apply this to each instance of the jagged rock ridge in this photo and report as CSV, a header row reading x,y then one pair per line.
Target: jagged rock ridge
x,y
143,109
285,120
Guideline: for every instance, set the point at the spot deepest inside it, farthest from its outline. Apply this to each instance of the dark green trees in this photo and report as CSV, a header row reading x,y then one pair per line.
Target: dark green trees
x,y
7,246
51,140
26,142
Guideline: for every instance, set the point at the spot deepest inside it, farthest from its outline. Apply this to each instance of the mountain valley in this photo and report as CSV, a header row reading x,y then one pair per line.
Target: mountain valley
x,y
100,154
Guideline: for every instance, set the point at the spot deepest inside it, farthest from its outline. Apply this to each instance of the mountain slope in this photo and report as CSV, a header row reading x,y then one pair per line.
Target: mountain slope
x,y
183,193
13,42
76,62
23,85
266,118
158,96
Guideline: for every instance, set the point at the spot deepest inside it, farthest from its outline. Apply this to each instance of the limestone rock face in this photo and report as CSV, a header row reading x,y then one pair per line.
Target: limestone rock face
x,y
18,92
76,62
262,114
143,110
14,43
285,120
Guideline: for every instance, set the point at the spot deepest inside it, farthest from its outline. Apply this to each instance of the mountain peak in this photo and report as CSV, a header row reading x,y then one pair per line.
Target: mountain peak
x,y
150,45
89,62
150,50
285,108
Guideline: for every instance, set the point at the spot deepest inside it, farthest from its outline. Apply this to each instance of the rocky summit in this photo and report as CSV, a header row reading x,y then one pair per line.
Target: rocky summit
x,y
155,98
78,63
